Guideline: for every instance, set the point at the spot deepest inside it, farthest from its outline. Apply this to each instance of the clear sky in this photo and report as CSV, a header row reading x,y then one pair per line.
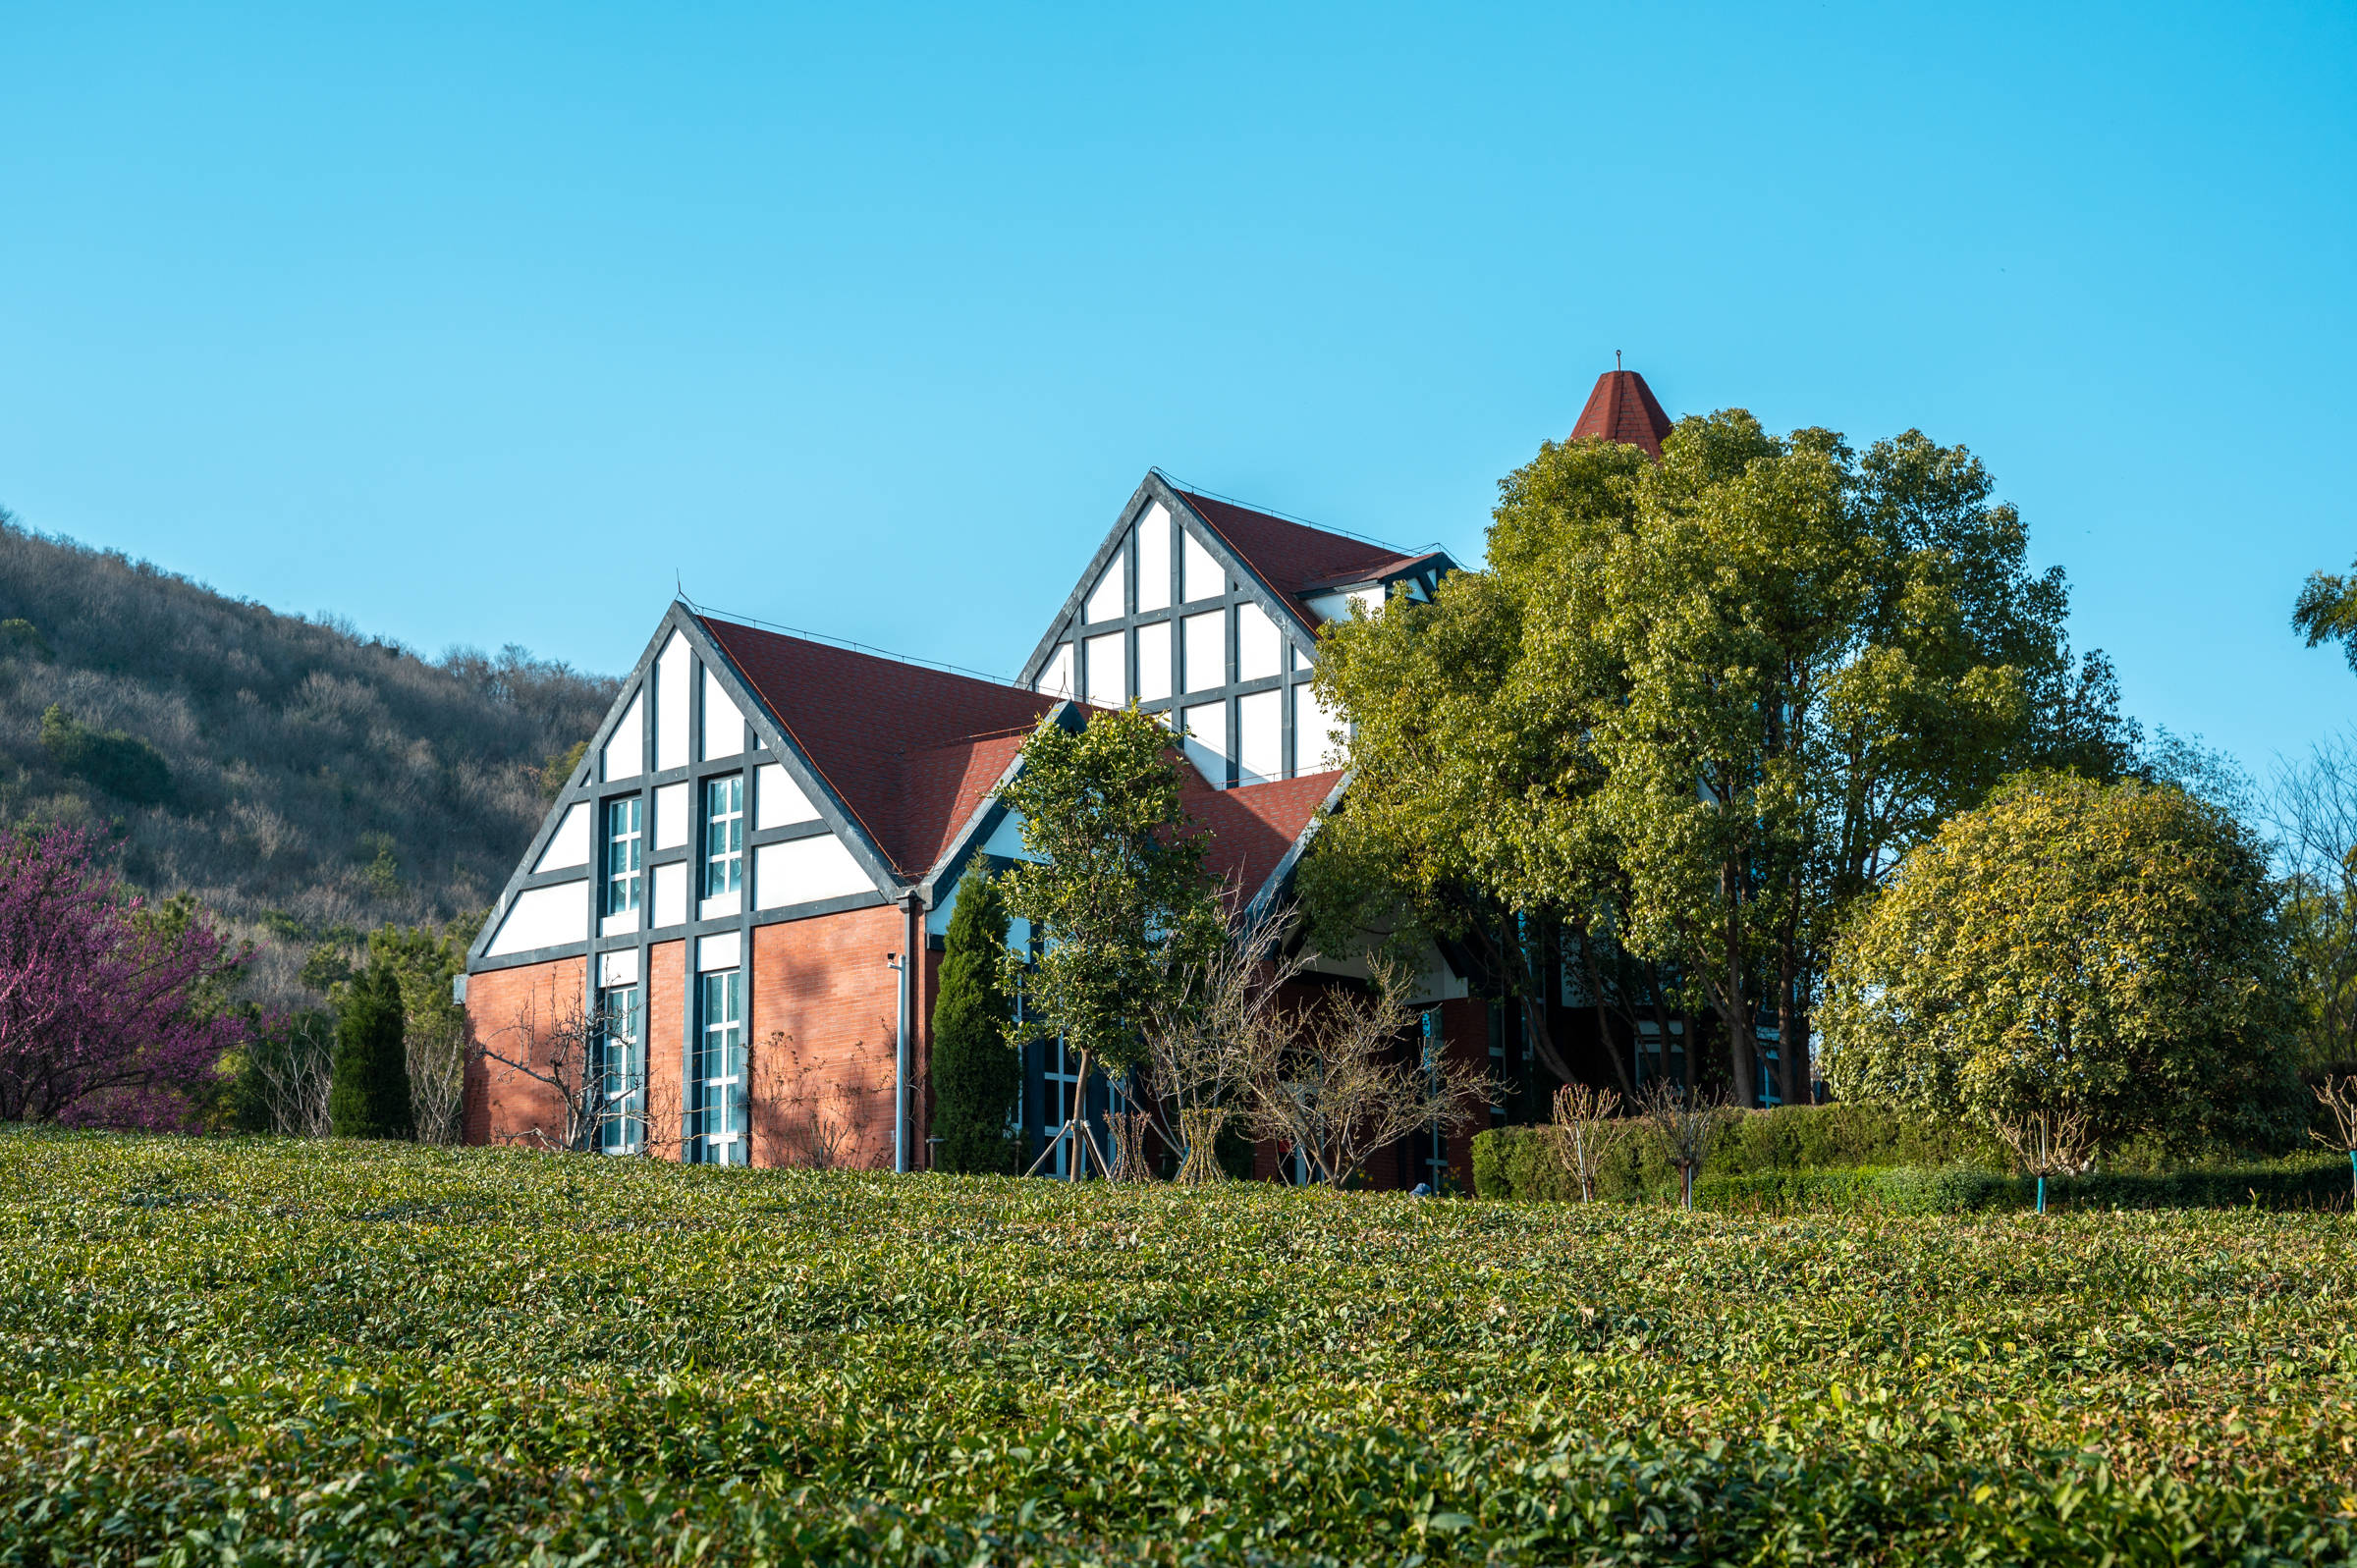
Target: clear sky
x,y
479,323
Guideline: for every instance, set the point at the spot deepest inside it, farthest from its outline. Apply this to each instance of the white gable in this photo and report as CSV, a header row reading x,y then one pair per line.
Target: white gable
x,y
1055,678
569,845
1317,743
626,749
1260,735
1107,600
724,726
806,870
778,801
1259,650
544,917
1154,557
1108,671
671,703
1203,577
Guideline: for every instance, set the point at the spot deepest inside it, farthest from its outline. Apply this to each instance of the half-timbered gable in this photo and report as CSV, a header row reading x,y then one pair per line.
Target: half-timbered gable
x,y
1207,612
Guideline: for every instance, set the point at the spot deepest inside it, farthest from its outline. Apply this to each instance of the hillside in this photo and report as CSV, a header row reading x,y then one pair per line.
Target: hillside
x,y
302,780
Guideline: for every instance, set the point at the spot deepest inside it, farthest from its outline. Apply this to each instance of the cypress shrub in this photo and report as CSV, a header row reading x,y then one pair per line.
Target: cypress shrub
x,y
371,1094
976,1074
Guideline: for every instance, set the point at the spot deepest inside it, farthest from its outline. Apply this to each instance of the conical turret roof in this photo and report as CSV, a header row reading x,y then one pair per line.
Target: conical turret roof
x,y
1623,408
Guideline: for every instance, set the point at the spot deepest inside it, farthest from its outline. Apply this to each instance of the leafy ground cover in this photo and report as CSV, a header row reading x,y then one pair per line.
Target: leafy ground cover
x,y
225,1351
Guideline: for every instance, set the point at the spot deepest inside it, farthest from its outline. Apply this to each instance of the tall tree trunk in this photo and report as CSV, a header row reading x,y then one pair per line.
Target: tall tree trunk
x,y
1741,1051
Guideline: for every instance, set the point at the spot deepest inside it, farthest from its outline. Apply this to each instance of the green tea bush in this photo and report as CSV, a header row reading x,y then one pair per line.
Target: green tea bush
x,y
264,1351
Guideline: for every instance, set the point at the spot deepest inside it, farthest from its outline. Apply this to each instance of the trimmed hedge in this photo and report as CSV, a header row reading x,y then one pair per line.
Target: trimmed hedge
x,y
1522,1163
1525,1167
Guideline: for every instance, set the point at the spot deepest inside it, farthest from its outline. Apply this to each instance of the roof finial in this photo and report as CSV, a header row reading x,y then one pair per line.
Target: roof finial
x,y
1615,358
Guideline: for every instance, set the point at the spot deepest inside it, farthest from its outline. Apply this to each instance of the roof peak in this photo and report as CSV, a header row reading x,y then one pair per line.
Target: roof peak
x,y
1623,409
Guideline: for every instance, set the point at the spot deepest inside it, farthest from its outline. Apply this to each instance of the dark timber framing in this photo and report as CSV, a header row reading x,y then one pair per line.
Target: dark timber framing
x,y
762,742
1240,585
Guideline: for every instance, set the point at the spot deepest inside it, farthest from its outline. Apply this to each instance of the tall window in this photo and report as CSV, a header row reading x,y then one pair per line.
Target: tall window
x,y
720,1102
624,839
724,835
622,1072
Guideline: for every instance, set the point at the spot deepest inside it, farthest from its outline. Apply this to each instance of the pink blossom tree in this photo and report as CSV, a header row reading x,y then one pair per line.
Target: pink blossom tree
x,y
108,1006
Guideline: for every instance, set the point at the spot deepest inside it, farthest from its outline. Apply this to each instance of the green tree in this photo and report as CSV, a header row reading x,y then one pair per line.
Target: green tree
x,y
1701,707
2075,949
424,962
2327,610
122,764
977,1071
1116,900
371,1094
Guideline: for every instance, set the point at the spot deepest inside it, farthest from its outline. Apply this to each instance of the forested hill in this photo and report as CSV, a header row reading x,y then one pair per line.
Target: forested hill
x,y
302,780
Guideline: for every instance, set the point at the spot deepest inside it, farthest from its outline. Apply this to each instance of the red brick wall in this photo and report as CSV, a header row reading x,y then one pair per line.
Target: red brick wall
x,y
666,1034
511,1011
820,1016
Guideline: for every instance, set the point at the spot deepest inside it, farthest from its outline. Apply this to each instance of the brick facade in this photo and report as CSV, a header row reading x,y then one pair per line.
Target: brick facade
x,y
821,1015
515,1012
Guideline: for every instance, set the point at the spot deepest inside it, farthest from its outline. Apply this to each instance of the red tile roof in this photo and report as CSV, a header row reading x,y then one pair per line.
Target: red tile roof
x,y
1292,556
1623,409
1252,826
910,750
915,753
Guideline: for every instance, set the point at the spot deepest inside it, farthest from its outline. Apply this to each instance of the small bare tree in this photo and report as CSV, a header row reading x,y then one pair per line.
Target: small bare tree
x,y
1587,1128
2338,1096
294,1070
573,1056
436,1041
1199,1041
2048,1143
1686,1123
1132,1130
825,1111
1331,1079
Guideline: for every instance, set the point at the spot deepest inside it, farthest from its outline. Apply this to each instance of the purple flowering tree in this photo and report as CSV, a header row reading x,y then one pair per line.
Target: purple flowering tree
x,y
108,1006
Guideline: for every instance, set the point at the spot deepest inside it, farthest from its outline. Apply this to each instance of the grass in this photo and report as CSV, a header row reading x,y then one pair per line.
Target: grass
x,y
238,1351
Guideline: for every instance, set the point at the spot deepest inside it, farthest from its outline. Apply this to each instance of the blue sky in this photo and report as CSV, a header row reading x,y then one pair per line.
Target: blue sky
x,y
480,324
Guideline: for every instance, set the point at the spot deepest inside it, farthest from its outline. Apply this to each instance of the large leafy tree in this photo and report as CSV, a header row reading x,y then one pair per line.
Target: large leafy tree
x,y
1117,899
976,1071
1703,706
2071,948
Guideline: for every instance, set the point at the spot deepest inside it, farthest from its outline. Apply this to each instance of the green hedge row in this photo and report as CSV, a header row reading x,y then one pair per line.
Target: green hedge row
x,y
1521,1162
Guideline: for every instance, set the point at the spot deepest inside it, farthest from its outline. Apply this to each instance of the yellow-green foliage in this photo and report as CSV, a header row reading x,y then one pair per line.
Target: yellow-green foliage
x,y
258,1351
2072,947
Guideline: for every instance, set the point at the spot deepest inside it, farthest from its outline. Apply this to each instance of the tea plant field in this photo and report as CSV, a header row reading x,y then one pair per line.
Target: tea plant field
x,y
222,1352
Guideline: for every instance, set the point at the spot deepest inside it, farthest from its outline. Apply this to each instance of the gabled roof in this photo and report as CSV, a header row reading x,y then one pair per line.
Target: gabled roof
x,y
1254,827
911,751
1623,409
1294,558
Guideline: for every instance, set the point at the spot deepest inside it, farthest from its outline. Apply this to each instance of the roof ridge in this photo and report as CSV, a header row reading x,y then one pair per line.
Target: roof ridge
x,y
1193,492
826,640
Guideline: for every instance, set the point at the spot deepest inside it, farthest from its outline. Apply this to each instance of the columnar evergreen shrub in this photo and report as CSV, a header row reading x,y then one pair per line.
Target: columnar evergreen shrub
x,y
371,1094
976,1073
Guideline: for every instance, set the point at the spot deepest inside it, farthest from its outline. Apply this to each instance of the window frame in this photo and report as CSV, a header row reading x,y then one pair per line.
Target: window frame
x,y
722,1129
723,864
629,880
624,1081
